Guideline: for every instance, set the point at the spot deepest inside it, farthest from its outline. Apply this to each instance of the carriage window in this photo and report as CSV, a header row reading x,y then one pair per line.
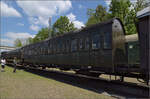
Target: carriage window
x,y
81,44
49,51
107,40
38,51
63,47
74,45
55,47
41,51
46,50
96,41
59,48
87,43
50,48
67,46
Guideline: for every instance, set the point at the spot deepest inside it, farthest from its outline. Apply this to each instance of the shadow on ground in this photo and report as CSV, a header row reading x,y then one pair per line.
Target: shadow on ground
x,y
81,82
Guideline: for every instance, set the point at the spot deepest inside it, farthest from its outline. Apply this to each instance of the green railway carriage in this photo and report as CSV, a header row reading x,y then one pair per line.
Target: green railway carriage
x,y
143,28
3,54
100,47
9,55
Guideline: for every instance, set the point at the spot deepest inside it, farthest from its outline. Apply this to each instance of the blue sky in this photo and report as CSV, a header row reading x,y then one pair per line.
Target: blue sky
x,y
22,19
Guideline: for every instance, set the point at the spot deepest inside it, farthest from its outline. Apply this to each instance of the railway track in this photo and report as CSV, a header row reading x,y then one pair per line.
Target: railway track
x,y
112,87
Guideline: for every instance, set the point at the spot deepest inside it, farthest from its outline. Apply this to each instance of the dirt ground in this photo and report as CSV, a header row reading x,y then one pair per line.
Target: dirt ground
x,y
25,85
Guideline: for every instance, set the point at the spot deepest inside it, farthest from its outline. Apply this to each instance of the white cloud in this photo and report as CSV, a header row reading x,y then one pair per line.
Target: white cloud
x,y
8,11
14,35
20,24
9,38
34,27
6,42
133,1
133,4
78,24
39,11
46,8
107,2
72,18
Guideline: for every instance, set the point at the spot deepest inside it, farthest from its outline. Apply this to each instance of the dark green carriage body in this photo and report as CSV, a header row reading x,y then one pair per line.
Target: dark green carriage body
x,y
143,28
99,47
132,44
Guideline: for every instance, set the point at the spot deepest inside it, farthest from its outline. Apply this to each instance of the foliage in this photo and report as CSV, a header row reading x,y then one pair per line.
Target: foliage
x,y
62,25
17,43
126,11
122,9
140,4
97,15
41,35
29,41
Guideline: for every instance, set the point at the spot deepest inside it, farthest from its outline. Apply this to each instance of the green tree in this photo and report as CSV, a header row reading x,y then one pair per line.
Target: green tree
x,y
140,4
18,43
126,11
41,35
97,15
61,26
29,41
121,9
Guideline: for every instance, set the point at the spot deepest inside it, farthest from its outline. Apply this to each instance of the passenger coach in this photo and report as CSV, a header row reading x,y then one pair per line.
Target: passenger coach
x,y
99,47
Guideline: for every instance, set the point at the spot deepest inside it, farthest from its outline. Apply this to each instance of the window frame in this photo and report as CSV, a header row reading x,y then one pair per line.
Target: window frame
x,y
75,43
67,46
99,41
81,43
63,46
85,43
109,42
49,47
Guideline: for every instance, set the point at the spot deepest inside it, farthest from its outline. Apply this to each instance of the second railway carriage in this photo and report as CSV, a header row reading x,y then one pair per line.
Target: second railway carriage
x,y
4,54
9,55
99,47
143,27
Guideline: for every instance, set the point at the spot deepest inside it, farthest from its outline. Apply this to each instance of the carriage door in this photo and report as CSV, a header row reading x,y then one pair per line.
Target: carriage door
x,y
95,54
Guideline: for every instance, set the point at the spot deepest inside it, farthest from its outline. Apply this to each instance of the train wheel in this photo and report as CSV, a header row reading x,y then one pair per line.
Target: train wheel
x,y
43,67
122,78
88,73
94,74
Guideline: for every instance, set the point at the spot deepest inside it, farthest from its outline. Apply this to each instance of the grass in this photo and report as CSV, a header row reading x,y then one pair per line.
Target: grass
x,y
25,85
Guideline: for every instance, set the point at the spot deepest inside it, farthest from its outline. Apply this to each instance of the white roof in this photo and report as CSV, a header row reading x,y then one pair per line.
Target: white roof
x,y
144,12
